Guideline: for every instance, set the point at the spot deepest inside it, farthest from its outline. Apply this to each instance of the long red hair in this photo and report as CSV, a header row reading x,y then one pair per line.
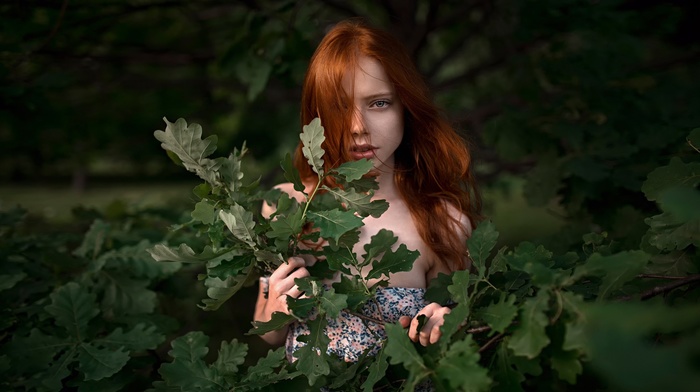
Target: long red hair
x,y
432,164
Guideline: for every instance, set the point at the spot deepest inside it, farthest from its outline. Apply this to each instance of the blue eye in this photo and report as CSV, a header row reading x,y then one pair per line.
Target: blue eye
x,y
381,104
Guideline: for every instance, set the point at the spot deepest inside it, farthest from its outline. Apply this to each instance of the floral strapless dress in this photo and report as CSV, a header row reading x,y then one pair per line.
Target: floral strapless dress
x,y
350,335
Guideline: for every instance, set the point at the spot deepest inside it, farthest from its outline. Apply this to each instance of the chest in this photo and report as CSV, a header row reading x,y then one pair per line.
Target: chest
x,y
398,220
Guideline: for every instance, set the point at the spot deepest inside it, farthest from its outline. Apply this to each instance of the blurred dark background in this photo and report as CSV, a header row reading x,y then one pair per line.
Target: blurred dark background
x,y
567,102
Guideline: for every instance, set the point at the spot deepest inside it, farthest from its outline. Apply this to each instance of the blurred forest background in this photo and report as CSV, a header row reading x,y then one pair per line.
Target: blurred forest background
x,y
578,98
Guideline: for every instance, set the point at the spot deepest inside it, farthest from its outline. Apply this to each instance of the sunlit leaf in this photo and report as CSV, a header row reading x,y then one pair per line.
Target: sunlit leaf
x,y
240,223
204,212
312,138
186,142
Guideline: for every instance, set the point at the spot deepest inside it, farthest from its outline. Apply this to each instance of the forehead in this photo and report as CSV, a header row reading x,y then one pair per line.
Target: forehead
x,y
367,78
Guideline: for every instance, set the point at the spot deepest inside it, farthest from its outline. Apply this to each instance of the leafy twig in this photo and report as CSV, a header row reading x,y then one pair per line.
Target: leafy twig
x,y
666,288
652,276
491,342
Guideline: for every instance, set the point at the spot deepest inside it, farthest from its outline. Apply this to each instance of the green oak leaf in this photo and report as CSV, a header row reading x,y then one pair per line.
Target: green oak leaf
x,y
362,185
188,370
233,267
73,307
460,367
500,314
353,290
98,363
453,322
240,223
615,270
204,212
331,303
682,203
230,169
334,223
400,350
231,356
284,227
8,281
291,173
339,260
312,357
536,261
140,338
360,202
59,369
279,320
94,239
437,289
480,244
676,173
186,142
567,365
137,261
31,353
507,379
125,296
666,233
392,262
202,190
459,287
378,244
220,290
302,308
377,371
312,138
354,170
530,337
185,254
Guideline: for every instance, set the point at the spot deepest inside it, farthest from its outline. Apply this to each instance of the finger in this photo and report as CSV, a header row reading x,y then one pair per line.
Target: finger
x,y
285,269
405,321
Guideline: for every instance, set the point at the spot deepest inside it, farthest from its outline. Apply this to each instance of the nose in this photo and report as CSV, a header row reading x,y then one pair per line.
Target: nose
x,y
357,125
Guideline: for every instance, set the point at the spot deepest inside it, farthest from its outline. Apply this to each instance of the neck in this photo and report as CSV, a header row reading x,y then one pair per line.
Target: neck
x,y
387,186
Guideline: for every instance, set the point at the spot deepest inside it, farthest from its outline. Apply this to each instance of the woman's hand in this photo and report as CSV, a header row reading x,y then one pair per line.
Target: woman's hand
x,y
431,330
281,285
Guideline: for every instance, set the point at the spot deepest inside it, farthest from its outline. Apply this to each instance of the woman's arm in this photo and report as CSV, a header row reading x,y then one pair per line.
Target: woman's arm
x,y
430,333
280,286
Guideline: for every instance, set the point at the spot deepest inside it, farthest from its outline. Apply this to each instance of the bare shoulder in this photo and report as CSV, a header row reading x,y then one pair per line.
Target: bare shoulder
x,y
465,224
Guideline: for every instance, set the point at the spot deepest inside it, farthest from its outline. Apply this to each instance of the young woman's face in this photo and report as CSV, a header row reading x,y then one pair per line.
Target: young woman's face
x,y
377,126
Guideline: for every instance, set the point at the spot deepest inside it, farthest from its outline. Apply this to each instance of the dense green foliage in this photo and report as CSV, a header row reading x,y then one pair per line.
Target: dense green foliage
x,y
518,314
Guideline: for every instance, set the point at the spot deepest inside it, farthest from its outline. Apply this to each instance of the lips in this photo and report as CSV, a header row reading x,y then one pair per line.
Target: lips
x,y
362,151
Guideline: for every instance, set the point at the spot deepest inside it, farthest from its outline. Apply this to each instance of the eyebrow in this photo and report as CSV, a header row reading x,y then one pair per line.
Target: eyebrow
x,y
378,95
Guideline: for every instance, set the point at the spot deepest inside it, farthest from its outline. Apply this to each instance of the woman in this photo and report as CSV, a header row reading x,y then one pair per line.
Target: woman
x,y
373,104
